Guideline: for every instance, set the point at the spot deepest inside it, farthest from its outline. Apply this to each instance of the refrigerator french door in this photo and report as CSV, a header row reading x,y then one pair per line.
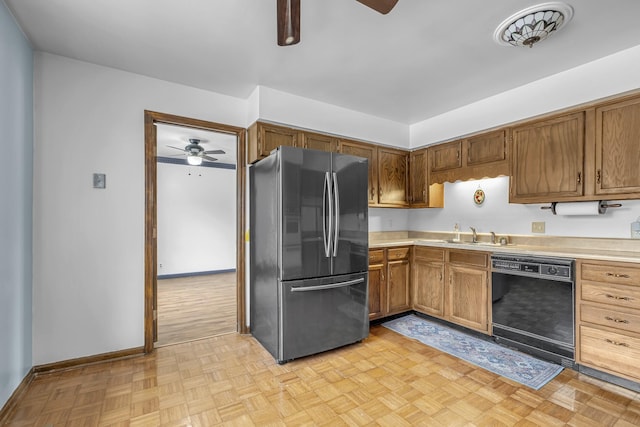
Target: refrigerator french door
x,y
308,251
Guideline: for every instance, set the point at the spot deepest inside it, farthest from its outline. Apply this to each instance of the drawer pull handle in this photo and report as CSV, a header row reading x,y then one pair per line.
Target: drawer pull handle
x,y
621,344
618,298
616,320
625,276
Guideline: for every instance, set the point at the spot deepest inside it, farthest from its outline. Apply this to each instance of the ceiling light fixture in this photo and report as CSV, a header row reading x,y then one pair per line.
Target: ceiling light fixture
x,y
533,24
194,159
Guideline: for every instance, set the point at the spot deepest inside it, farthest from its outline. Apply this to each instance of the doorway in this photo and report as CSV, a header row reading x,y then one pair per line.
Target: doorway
x,y
152,289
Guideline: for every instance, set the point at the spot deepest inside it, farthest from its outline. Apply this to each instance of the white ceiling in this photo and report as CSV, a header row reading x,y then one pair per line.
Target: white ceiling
x,y
424,58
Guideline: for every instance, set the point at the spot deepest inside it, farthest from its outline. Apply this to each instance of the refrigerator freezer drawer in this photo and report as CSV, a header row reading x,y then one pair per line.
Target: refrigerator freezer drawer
x,y
322,314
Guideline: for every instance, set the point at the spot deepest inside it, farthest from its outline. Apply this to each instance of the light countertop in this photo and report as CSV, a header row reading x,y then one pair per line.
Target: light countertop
x,y
622,250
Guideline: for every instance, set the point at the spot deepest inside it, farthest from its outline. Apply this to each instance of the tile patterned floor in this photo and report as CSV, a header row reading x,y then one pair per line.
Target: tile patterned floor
x,y
387,380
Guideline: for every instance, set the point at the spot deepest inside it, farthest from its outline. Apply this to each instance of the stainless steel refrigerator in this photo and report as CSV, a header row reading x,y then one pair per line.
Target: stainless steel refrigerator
x,y
308,251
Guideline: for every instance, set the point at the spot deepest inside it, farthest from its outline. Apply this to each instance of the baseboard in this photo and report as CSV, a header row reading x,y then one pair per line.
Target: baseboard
x,y
8,407
88,360
195,273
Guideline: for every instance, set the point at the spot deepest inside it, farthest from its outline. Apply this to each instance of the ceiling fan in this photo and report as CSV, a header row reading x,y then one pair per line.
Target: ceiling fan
x,y
289,17
195,153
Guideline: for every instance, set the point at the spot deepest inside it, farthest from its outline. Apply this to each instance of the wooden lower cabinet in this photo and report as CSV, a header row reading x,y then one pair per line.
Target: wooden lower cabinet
x,y
377,283
389,281
608,317
428,280
452,285
468,296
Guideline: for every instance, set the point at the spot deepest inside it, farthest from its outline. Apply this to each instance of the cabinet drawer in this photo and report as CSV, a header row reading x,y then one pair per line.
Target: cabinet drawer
x,y
376,256
398,253
478,259
627,320
611,274
428,254
618,295
618,353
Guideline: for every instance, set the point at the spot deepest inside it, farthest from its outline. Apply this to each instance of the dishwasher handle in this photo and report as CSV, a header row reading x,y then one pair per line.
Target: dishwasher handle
x,y
328,286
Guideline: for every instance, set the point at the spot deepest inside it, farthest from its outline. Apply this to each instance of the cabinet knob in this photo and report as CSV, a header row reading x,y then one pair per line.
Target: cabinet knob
x,y
579,177
598,176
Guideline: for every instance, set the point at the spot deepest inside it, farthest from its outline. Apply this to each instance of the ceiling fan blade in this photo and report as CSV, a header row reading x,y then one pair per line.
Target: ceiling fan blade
x,y
382,6
288,12
214,152
176,148
211,159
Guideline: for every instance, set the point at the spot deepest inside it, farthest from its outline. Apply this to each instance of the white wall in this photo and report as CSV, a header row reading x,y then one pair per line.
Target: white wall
x,y
282,107
496,214
16,169
89,243
604,77
196,219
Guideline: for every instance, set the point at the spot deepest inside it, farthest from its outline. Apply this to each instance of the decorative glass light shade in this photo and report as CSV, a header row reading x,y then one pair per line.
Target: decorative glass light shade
x,y
194,159
533,24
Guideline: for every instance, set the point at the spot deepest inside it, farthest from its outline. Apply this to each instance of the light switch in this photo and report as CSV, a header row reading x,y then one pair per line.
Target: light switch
x,y
99,180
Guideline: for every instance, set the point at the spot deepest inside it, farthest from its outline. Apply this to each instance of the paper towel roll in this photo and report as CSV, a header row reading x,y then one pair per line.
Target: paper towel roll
x,y
578,208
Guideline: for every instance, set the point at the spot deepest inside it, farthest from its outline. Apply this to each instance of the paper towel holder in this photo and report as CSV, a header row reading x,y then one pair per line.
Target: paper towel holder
x,y
602,206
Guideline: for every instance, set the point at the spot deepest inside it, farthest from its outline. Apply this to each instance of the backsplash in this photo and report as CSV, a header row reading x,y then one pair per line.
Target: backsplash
x,y
498,215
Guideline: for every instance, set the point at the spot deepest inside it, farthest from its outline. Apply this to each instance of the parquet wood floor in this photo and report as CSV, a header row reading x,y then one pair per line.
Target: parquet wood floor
x,y
387,380
196,307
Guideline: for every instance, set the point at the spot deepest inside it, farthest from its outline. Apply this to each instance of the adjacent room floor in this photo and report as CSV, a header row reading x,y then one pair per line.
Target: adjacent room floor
x,y
196,307
387,380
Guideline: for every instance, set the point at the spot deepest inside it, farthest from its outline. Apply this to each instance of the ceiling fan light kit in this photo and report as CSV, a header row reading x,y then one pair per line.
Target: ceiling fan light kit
x,y
533,24
195,153
194,160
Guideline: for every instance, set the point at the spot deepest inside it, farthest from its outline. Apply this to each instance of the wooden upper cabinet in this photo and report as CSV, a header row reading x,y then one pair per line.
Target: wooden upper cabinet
x,y
265,137
318,141
479,156
618,148
418,179
548,158
446,156
393,177
367,151
486,148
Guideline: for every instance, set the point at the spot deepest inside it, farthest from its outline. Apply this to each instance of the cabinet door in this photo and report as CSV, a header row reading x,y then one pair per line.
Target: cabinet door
x,y
392,177
548,160
265,137
367,151
316,141
618,148
377,294
486,148
446,156
418,189
428,287
398,297
468,297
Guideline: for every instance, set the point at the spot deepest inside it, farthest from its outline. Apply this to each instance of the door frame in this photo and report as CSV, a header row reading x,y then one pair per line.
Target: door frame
x,y
151,219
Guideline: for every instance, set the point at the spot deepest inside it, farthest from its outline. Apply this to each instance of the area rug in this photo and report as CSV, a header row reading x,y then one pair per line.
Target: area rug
x,y
520,367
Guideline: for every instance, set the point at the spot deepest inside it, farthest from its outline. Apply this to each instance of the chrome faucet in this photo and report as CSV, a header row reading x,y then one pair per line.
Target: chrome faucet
x,y
493,237
474,238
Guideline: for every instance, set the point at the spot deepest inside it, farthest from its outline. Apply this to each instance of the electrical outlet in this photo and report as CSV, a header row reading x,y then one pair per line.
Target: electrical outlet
x,y
537,227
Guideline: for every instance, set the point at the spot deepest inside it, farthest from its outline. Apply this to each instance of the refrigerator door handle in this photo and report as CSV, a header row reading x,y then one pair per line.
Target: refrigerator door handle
x,y
336,202
329,286
326,198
